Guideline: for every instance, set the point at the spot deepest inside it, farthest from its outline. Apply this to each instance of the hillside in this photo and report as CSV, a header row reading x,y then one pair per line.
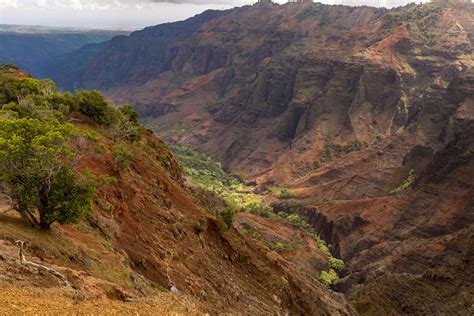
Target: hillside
x,y
365,115
147,244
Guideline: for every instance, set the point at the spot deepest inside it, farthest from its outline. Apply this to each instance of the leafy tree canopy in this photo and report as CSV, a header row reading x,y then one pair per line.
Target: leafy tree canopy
x,y
37,162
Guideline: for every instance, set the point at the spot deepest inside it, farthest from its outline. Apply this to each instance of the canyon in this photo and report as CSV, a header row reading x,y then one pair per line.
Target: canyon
x,y
366,115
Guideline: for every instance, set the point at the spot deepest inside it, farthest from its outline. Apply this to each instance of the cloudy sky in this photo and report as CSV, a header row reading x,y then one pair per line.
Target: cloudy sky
x,y
126,13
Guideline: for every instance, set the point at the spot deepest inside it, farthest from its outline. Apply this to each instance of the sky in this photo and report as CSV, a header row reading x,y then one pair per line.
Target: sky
x,y
127,14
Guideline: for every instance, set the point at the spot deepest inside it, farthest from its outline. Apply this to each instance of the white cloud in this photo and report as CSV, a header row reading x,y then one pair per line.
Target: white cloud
x,y
9,4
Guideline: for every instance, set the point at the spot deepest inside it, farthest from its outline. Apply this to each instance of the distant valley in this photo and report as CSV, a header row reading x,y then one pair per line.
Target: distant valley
x,y
34,47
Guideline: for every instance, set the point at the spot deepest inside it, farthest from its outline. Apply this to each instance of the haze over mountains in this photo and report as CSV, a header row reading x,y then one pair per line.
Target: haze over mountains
x,y
358,119
33,47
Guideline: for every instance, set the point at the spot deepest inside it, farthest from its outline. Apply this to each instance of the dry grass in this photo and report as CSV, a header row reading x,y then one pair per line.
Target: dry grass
x,y
55,301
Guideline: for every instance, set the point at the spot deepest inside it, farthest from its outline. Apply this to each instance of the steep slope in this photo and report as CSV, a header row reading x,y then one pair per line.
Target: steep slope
x,y
339,104
142,238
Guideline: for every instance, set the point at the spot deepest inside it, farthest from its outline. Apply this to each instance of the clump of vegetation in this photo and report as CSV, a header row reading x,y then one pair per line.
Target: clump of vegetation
x,y
100,149
260,210
328,277
201,226
95,106
407,184
121,157
282,193
227,215
336,264
279,246
331,150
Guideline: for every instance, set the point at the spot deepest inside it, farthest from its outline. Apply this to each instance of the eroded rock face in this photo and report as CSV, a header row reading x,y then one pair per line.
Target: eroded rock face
x,y
339,104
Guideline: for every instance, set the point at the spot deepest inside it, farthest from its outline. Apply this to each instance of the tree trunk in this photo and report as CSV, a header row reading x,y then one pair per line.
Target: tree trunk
x,y
25,214
45,225
44,207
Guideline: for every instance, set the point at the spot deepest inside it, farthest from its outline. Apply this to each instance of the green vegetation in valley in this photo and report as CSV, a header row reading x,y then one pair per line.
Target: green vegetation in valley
x,y
39,148
210,176
407,184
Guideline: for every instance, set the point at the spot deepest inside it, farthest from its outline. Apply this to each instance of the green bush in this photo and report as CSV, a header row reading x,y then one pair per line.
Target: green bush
x,y
201,226
100,149
94,105
121,157
13,89
336,264
328,277
130,113
283,193
125,126
227,215
279,246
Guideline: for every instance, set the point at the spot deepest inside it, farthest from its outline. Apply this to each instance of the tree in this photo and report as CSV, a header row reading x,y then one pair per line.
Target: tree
x,y
36,171
95,106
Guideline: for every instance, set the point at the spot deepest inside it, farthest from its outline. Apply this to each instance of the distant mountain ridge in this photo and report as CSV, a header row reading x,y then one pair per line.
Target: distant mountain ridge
x,y
34,47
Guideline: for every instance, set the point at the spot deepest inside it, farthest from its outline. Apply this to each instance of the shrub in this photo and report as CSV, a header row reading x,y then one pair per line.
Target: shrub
x,y
94,105
227,215
12,89
121,157
122,127
279,246
130,113
283,193
336,264
100,149
327,277
259,209
91,136
201,226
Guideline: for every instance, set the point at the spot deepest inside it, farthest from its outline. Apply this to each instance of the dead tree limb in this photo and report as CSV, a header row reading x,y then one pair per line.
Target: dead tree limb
x,y
23,261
